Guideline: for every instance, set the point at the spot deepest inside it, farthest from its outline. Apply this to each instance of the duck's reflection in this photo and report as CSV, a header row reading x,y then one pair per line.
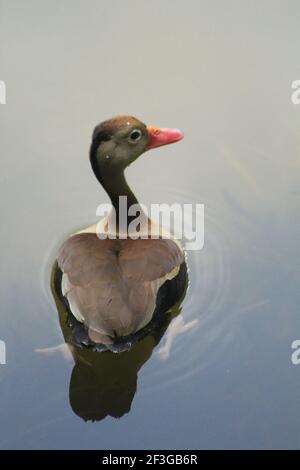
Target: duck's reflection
x,y
104,384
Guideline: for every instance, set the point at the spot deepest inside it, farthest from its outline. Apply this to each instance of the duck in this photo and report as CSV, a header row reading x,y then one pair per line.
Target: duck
x,y
115,286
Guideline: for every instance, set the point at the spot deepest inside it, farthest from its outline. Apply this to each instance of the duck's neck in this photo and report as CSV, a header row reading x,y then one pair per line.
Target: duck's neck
x,y
116,186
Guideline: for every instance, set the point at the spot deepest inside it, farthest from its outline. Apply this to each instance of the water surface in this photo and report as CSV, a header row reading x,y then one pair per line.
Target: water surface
x,y
220,376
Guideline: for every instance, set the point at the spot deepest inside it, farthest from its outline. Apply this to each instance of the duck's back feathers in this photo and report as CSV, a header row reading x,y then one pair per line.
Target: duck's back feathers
x,y
111,285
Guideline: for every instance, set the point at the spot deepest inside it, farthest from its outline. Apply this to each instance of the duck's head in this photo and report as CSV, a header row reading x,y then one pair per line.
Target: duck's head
x,y
119,141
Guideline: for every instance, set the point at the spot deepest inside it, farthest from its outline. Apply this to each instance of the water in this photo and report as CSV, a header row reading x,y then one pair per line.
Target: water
x,y
221,376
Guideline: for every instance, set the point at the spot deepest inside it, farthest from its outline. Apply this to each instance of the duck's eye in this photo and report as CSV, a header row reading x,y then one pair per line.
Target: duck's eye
x,y
135,135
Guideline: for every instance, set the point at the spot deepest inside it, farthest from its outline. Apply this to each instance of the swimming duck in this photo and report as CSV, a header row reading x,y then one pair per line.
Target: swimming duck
x,y
115,287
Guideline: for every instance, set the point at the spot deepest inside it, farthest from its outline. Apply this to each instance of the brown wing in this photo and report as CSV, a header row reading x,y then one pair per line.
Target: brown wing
x,y
149,259
111,285
84,257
